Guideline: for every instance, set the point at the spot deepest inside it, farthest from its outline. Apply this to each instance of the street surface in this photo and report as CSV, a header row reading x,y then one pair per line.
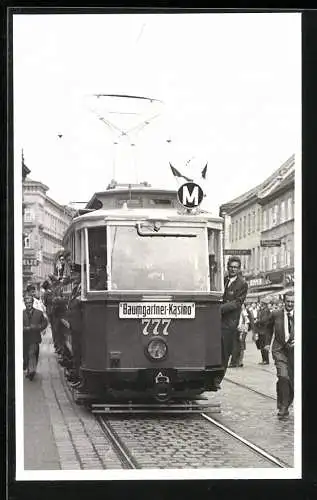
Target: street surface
x,y
61,435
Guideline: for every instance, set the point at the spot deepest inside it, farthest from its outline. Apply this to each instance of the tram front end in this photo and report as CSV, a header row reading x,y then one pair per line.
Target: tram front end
x,y
151,307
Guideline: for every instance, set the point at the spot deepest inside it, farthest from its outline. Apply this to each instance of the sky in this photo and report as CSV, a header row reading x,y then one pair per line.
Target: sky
x,y
229,86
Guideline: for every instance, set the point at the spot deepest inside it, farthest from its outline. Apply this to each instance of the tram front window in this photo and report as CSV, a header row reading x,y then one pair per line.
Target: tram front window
x,y
171,262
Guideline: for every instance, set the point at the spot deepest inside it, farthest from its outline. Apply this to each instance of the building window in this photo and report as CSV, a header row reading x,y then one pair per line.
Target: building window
x,y
264,219
274,215
28,215
274,259
240,228
253,221
258,228
265,259
249,223
237,231
289,208
27,242
258,258
270,221
282,211
230,233
244,226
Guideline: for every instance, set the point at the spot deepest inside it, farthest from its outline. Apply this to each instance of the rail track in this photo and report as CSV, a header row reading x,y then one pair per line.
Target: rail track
x,y
267,396
126,454
125,457
247,443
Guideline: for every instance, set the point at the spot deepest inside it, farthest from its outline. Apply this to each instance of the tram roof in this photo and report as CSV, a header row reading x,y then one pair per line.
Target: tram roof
x,y
130,189
129,214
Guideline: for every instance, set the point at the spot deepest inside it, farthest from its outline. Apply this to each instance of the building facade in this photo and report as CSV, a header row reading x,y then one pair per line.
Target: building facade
x,y
244,232
259,227
278,213
45,222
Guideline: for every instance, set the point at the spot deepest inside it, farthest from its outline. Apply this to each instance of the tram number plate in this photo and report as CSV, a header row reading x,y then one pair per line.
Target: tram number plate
x,y
155,326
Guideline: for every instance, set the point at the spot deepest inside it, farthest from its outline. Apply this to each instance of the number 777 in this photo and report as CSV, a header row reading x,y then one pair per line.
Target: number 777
x,y
158,326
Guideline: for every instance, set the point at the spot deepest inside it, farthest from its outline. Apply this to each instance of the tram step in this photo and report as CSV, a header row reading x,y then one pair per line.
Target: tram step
x,y
154,408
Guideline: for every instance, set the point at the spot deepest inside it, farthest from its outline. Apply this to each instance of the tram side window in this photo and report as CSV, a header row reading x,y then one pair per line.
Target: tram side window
x,y
214,259
97,246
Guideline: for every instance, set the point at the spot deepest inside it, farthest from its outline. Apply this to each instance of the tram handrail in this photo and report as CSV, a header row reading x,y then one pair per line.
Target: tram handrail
x,y
162,235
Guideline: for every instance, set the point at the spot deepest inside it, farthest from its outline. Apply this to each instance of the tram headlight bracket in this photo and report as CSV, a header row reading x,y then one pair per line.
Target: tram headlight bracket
x,y
156,349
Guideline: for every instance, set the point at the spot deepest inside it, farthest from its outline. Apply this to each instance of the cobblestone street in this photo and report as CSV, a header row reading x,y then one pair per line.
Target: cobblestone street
x,y
58,434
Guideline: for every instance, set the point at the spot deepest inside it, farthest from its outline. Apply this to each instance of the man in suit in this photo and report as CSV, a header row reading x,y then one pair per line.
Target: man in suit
x,y
262,327
37,304
283,354
34,322
235,292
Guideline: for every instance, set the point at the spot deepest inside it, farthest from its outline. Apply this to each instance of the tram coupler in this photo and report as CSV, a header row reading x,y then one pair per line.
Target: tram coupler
x,y
162,388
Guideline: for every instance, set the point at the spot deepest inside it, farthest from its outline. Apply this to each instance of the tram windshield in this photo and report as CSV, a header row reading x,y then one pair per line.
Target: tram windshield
x,y
180,259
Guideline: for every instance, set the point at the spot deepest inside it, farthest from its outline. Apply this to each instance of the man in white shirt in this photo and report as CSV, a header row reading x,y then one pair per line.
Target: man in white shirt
x,y
37,304
283,354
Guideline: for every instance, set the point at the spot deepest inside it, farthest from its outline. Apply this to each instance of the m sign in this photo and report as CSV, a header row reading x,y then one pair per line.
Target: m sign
x,y
190,195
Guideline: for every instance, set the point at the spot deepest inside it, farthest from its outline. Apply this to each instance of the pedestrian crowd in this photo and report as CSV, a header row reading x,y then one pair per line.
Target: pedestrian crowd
x,y
271,324
60,311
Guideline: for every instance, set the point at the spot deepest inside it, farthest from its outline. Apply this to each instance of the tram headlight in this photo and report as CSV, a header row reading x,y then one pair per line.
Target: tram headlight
x,y
157,349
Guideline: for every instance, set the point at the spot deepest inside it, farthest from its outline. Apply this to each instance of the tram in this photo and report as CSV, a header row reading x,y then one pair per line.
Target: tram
x,y
151,289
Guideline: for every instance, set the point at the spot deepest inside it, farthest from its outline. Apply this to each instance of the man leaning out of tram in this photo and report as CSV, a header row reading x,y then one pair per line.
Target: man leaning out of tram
x,y
235,292
74,318
59,308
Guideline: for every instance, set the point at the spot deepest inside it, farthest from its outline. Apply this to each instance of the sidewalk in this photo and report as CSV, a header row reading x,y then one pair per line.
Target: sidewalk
x,y
57,433
40,450
258,377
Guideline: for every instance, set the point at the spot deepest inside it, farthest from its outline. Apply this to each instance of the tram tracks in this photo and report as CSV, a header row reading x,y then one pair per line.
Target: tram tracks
x,y
246,442
136,455
125,457
244,386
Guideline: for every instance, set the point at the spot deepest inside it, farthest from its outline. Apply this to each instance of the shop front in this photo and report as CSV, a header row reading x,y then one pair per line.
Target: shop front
x,y
275,283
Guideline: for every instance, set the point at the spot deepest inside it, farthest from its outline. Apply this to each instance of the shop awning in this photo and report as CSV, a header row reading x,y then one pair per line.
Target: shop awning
x,y
274,294
255,295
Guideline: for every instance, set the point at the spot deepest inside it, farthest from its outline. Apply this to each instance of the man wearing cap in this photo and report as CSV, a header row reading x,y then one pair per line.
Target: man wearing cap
x,y
283,354
37,304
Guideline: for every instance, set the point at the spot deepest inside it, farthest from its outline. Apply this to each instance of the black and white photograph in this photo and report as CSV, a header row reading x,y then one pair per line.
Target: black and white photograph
x,y
157,218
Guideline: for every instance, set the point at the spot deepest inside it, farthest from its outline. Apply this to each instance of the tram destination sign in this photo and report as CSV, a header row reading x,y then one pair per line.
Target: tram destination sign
x,y
163,310
270,243
238,251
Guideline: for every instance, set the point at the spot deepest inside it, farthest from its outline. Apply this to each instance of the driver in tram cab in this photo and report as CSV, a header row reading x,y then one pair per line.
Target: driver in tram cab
x,y
235,292
99,274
